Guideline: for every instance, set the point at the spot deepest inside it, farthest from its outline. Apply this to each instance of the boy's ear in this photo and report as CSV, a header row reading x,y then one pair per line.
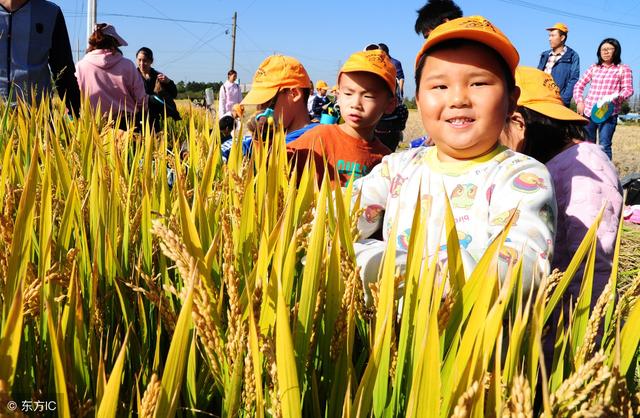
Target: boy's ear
x,y
391,105
296,94
513,99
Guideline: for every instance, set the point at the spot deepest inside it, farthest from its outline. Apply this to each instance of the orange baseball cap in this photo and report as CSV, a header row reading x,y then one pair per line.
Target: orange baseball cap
x,y
560,26
275,73
473,28
321,84
539,92
375,62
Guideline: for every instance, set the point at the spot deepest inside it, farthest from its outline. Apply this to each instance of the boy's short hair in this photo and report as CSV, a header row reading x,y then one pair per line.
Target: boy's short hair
x,y
470,30
231,72
276,73
376,62
226,122
435,13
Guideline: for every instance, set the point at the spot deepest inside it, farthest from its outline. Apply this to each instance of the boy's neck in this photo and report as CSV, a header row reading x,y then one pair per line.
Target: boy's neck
x,y
299,122
445,158
366,134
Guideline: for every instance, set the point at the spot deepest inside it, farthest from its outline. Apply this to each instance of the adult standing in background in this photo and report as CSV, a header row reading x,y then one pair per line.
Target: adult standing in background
x,y
230,94
562,62
161,89
108,79
434,13
611,84
34,48
399,72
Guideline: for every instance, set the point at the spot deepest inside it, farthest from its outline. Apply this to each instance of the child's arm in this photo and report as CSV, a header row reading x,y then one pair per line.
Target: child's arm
x,y
524,186
374,191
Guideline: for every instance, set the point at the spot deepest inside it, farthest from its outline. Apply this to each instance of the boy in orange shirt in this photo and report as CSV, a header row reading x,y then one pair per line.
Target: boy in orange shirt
x,y
367,83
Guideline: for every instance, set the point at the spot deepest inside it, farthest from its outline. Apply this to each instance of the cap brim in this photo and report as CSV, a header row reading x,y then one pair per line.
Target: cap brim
x,y
556,111
259,96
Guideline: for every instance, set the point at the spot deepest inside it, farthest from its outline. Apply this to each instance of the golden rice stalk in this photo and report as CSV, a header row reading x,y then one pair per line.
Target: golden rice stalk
x,y
353,285
150,397
519,403
550,283
465,402
589,341
249,387
444,312
267,348
572,389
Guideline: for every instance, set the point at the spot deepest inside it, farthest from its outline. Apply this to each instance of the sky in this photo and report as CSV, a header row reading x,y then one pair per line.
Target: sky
x,y
193,42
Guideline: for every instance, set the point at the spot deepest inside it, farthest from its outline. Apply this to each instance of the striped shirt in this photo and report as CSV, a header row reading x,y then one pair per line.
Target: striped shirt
x,y
605,80
553,58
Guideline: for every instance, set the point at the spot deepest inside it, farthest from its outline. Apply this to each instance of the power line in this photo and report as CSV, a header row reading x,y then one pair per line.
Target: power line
x,y
551,10
166,19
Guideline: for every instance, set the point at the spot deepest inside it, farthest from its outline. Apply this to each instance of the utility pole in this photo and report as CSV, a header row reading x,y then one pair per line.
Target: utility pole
x,y
233,40
91,17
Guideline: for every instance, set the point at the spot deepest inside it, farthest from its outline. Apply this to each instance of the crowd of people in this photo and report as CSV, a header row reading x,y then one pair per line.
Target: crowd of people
x,y
503,143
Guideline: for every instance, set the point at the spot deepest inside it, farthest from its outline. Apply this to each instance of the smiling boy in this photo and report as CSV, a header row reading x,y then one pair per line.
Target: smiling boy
x,y
465,91
366,85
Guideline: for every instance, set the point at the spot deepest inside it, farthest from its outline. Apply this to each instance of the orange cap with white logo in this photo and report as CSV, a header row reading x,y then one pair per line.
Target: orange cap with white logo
x,y
539,92
275,73
376,62
473,28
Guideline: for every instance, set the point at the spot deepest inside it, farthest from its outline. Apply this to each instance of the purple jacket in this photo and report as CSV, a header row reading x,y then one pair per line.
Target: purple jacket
x,y
584,179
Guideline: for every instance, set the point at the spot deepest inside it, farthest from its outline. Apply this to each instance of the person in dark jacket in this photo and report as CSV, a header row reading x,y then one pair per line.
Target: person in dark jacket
x,y
161,90
562,62
34,48
320,101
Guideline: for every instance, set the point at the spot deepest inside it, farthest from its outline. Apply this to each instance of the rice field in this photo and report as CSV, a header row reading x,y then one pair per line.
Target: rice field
x,y
235,293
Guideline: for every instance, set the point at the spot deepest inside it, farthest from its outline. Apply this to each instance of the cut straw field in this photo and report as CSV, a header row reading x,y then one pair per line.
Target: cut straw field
x,y
235,293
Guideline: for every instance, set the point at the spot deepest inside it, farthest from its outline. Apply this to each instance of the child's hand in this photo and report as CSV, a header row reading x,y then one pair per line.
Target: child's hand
x,y
580,108
163,78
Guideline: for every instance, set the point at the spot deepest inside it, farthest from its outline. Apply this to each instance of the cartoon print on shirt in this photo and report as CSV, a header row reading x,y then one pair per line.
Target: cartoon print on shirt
x,y
528,183
403,239
490,192
372,213
503,218
508,255
396,185
463,195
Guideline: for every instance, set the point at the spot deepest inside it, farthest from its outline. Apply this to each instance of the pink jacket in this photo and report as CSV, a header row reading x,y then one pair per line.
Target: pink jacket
x,y
584,179
230,94
111,80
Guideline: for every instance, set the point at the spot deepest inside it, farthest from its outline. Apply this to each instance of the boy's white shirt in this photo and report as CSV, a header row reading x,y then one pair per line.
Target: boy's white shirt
x,y
483,193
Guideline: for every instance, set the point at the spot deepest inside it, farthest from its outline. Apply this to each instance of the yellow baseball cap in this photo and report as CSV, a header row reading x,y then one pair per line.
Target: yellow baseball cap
x,y
473,28
321,84
275,73
376,62
539,92
238,109
560,26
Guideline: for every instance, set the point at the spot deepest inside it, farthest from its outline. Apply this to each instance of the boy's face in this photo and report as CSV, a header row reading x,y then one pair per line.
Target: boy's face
x,y
363,99
463,101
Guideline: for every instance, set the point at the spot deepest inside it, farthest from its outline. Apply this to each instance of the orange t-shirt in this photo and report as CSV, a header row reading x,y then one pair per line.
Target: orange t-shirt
x,y
344,152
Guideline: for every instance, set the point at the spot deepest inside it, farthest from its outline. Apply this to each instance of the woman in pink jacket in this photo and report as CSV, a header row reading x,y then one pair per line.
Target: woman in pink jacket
x,y
583,177
110,81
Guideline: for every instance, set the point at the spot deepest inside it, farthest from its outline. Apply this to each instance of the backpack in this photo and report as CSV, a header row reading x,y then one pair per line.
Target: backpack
x,y
631,184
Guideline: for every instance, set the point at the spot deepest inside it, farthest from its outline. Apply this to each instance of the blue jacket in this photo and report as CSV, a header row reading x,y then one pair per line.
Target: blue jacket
x,y
34,48
565,72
